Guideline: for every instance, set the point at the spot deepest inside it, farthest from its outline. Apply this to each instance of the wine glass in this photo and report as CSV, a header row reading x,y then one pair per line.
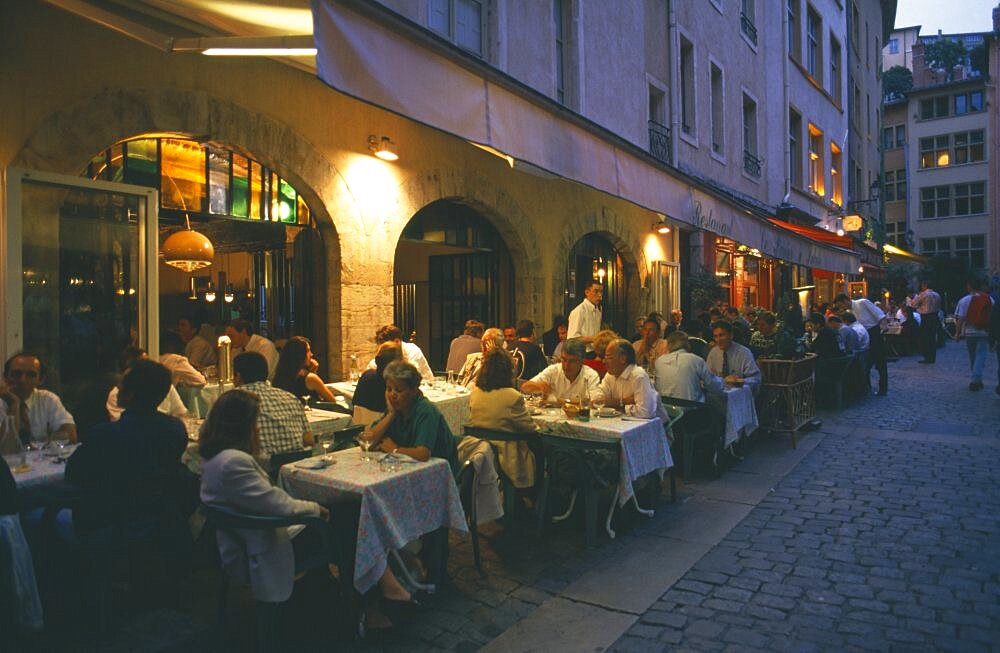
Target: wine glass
x,y
326,441
305,403
598,404
364,442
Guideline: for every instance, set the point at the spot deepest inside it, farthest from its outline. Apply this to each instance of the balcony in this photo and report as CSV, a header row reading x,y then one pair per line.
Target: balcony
x,y
659,141
746,24
751,164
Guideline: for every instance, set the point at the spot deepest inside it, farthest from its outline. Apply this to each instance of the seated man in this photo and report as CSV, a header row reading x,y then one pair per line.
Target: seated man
x,y
771,340
46,415
627,386
567,379
282,421
182,372
492,339
243,339
171,404
465,344
651,346
412,425
133,463
846,335
741,328
412,353
862,339
530,359
682,375
199,351
823,340
731,360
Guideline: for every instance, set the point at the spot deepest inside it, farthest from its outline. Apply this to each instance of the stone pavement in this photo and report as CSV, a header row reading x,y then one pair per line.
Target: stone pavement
x,y
879,531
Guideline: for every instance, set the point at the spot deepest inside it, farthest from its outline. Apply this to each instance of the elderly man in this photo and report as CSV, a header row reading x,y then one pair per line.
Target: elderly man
x,y
282,422
465,344
492,339
568,378
46,415
651,346
585,319
412,353
627,386
676,322
243,339
199,351
682,375
731,360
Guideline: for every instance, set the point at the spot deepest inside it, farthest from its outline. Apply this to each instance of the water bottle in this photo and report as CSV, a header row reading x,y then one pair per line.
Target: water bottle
x,y
584,414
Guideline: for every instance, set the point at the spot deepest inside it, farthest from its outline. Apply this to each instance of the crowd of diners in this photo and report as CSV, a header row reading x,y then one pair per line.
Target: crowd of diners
x,y
132,461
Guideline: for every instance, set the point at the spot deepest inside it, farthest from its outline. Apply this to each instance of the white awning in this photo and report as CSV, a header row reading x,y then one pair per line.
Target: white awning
x,y
369,60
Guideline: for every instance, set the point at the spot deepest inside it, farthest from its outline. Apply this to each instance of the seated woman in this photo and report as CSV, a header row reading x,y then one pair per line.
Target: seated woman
x,y
369,396
296,371
412,425
231,478
601,342
497,405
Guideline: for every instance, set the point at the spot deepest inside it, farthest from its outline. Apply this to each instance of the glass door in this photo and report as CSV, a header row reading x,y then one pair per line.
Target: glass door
x,y
80,284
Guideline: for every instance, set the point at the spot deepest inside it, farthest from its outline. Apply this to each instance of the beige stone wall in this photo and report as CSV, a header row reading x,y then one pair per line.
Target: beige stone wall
x,y
71,88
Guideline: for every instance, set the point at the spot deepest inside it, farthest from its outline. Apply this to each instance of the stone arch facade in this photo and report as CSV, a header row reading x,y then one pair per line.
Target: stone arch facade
x,y
605,222
65,141
504,214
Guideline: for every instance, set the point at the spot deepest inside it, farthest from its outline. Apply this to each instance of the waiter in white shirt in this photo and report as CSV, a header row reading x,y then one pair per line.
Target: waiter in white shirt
x,y
585,319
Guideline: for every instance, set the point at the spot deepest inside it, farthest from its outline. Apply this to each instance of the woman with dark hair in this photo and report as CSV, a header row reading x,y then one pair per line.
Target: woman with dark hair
x,y
369,396
497,405
296,371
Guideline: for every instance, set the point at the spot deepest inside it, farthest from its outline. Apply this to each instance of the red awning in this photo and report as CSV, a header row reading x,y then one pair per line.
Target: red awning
x,y
819,235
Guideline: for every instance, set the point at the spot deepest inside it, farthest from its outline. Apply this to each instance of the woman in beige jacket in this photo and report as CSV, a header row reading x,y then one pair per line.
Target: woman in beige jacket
x,y
496,404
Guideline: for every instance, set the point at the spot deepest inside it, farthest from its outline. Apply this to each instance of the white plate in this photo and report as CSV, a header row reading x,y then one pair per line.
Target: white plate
x,y
608,412
314,463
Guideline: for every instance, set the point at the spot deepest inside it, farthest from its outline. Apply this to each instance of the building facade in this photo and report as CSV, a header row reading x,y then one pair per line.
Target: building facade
x,y
540,146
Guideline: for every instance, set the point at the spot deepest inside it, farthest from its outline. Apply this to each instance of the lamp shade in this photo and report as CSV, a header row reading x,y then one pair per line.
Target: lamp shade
x,y
187,250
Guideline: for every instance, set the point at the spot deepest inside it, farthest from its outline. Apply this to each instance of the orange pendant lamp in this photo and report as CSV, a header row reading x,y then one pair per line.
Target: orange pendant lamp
x,y
187,250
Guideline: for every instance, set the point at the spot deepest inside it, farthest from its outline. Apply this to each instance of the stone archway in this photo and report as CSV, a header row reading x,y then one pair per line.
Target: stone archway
x,y
71,136
609,224
504,214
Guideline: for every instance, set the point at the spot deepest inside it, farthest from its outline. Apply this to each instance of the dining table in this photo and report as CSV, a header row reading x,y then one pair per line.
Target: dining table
x,y
400,500
451,399
640,444
737,404
42,467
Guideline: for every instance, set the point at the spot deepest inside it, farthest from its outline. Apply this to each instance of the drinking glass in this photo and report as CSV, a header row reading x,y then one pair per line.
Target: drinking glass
x,y
598,404
364,442
326,441
305,403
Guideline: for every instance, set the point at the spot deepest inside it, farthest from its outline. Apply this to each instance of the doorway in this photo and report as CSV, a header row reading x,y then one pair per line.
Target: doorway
x,y
595,258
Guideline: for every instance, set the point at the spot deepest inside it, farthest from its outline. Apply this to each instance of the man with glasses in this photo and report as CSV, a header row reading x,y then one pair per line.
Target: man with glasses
x,y
626,386
567,379
45,413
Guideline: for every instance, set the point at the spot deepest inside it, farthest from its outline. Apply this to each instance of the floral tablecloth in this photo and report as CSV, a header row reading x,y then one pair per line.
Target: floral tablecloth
x,y
452,401
741,414
644,447
396,507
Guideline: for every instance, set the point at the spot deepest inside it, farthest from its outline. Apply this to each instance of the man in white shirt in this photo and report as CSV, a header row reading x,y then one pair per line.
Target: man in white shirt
x,y
47,416
683,375
199,351
973,315
182,372
243,339
731,360
567,379
861,333
585,319
627,386
171,404
873,318
412,353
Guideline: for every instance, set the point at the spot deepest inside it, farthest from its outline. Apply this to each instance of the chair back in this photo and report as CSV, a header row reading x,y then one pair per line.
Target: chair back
x,y
503,436
284,458
698,347
331,406
344,438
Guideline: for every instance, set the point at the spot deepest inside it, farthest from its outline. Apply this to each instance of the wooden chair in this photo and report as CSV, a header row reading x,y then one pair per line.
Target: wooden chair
x,y
510,492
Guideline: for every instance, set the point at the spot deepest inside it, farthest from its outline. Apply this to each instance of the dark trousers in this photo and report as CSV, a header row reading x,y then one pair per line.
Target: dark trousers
x,y
876,358
930,325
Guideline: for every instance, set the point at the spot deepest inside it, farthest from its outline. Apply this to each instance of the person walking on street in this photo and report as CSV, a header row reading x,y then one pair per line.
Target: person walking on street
x,y
928,303
973,317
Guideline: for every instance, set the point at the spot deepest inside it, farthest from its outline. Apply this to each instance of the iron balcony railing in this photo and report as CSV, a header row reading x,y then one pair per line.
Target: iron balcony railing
x,y
659,141
751,164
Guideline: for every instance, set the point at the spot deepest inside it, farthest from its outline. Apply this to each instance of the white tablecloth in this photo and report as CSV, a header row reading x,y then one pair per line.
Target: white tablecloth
x,y
644,447
738,407
43,469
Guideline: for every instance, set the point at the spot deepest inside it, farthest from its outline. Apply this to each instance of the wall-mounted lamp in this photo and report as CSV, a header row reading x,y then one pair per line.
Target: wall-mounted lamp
x,y
861,269
660,227
383,148
210,293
